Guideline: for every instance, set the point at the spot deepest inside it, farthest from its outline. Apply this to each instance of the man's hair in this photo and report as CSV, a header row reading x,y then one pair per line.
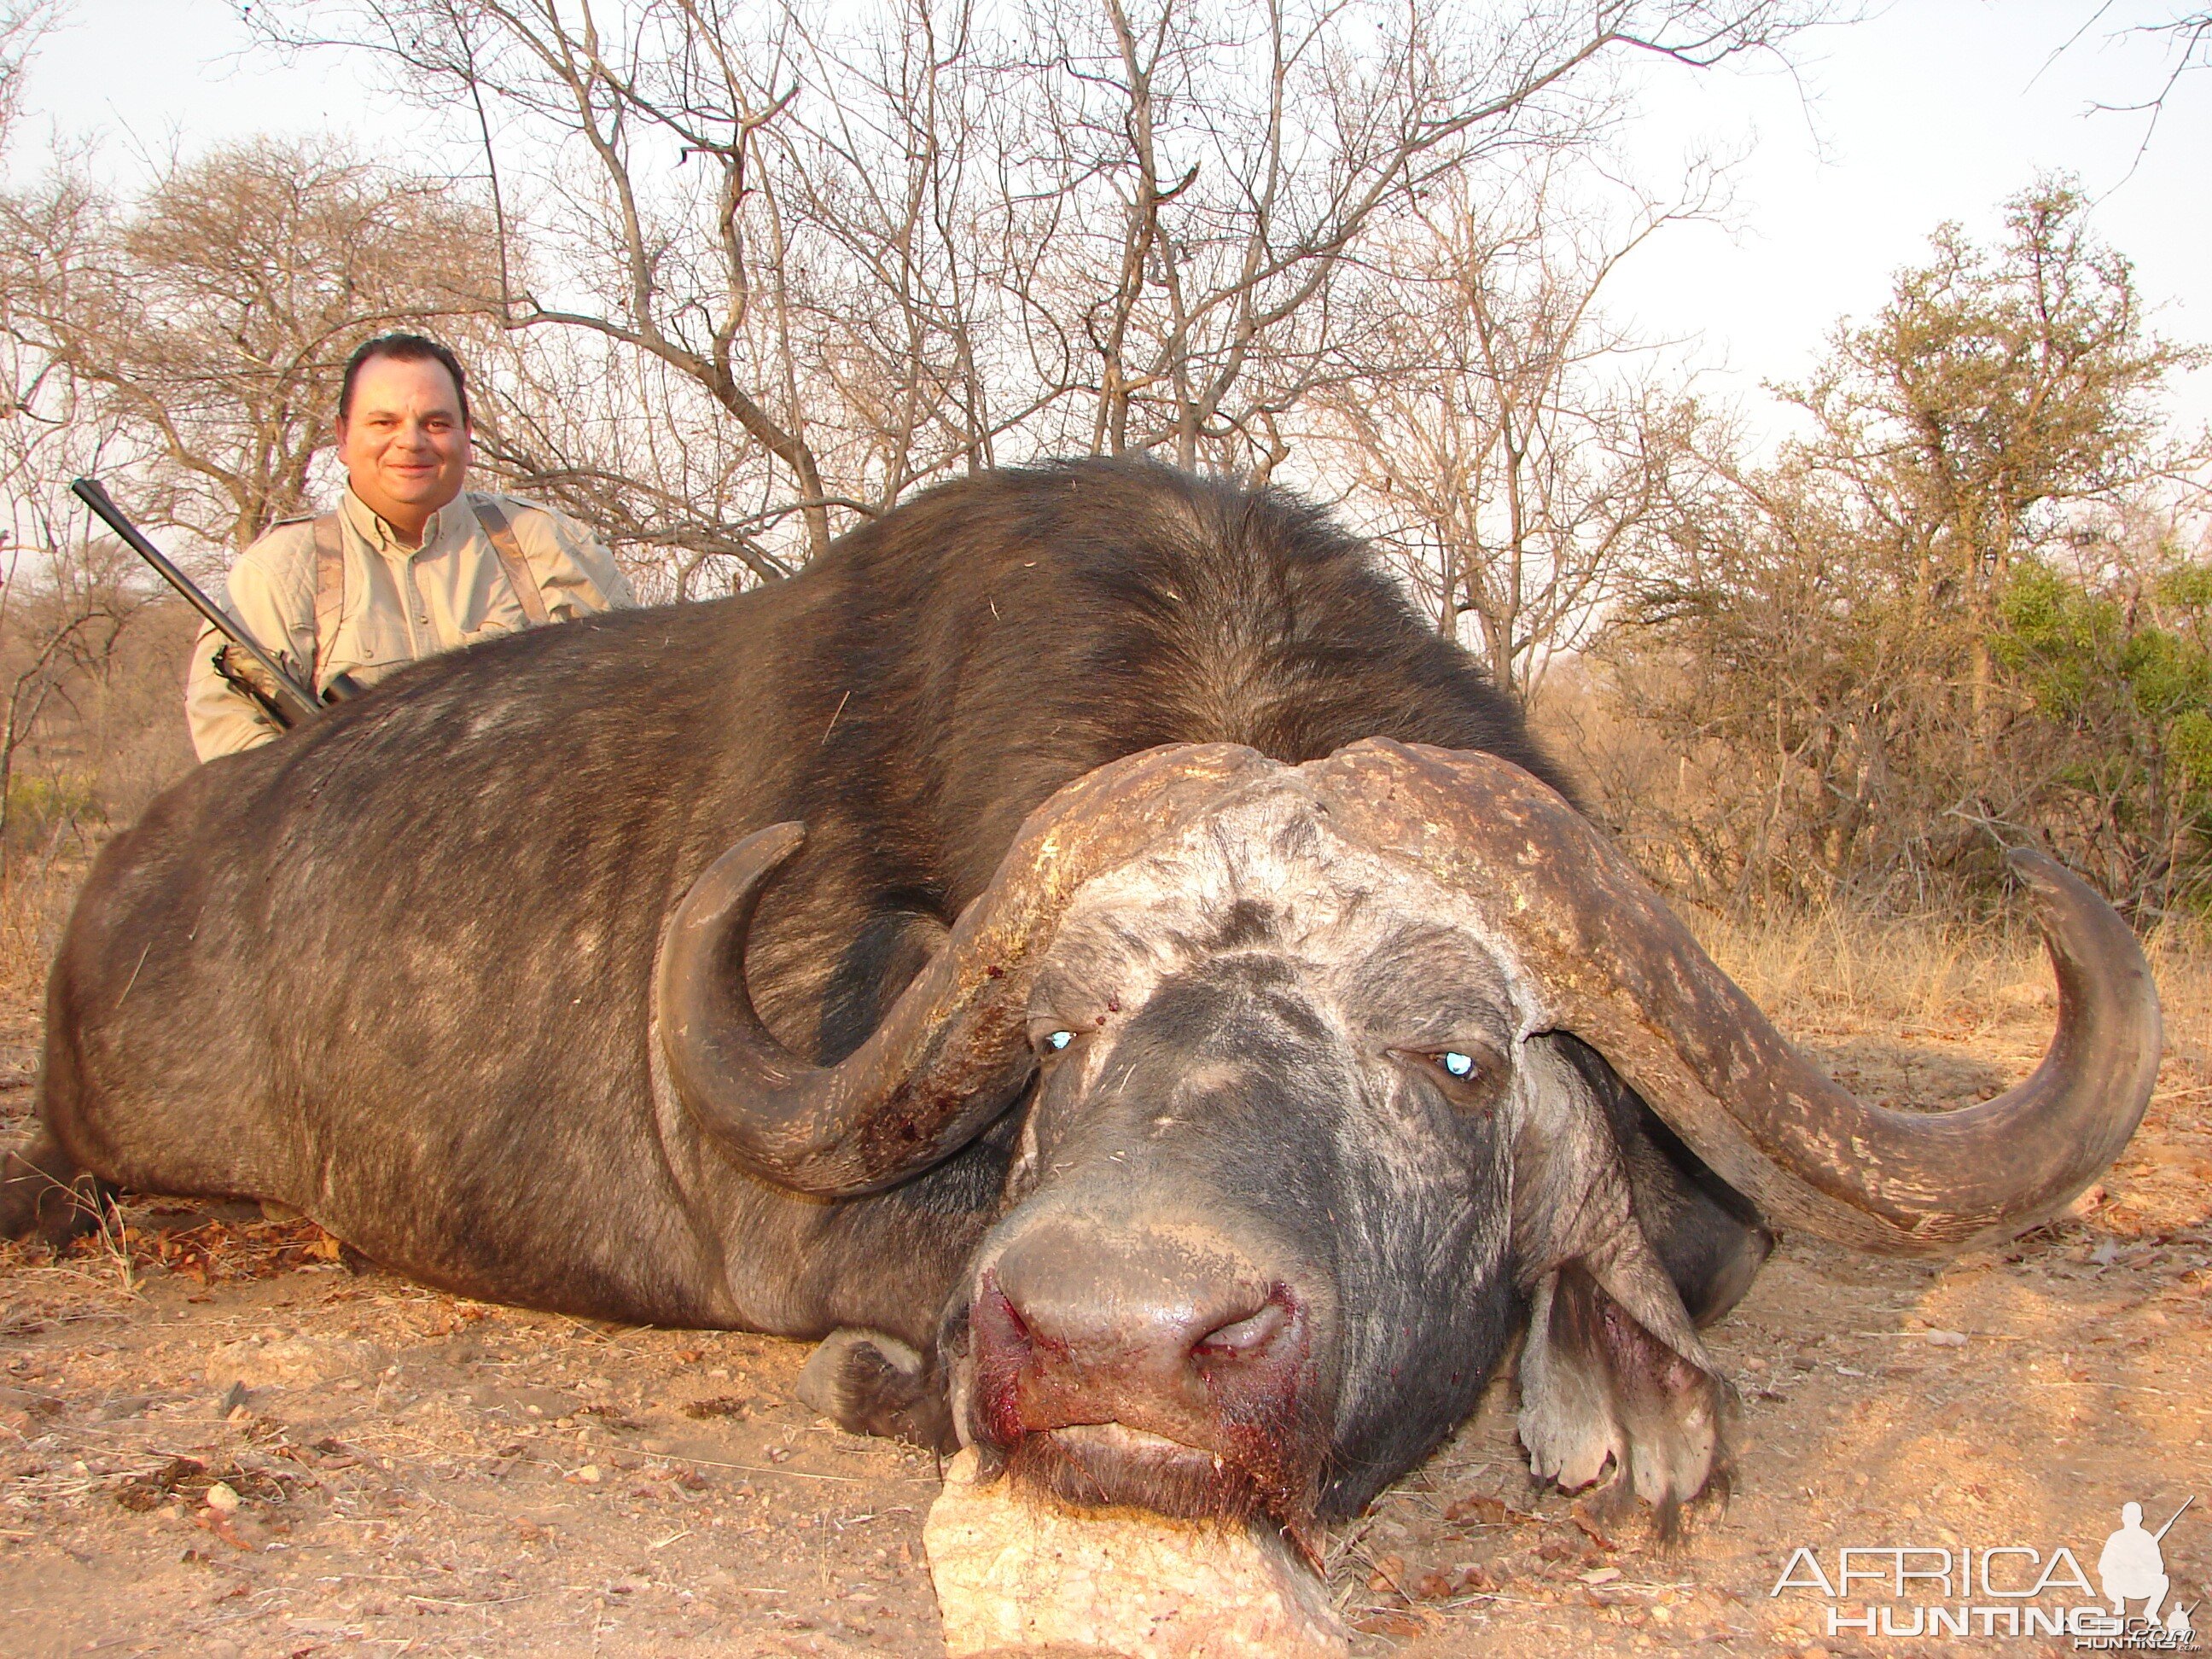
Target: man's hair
x,y
403,348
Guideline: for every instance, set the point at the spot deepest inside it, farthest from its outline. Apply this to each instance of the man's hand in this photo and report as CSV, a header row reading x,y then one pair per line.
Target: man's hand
x,y
252,681
248,675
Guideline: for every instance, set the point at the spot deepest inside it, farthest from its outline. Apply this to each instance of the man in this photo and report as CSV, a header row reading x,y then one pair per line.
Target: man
x,y
411,564
2133,1567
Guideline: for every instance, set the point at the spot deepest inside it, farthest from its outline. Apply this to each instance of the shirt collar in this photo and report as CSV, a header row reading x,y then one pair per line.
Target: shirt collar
x,y
381,536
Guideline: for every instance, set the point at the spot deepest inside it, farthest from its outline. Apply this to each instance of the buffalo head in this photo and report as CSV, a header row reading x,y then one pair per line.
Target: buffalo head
x,y
1314,1111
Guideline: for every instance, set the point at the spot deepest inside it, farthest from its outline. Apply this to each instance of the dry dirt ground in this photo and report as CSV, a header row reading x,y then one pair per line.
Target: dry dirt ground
x,y
216,1438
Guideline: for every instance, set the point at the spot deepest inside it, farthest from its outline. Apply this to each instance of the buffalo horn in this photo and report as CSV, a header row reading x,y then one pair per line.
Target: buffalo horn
x,y
953,1051
1610,963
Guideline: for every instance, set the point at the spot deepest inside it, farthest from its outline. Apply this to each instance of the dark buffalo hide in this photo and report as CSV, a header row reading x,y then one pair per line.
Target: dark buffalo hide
x,y
395,971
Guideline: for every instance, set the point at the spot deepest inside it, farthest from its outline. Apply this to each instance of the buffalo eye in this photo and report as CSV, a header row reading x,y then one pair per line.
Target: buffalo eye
x,y
1468,1076
1049,1037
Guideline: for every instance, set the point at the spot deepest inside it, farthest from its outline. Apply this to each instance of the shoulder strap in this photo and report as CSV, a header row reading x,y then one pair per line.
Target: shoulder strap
x,y
501,534
330,589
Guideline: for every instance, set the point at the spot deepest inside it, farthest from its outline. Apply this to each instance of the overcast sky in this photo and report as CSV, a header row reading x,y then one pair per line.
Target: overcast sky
x,y
1930,110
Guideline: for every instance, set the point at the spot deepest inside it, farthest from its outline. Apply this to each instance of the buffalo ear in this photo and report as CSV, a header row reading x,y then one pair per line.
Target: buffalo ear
x,y
1599,1387
1612,1370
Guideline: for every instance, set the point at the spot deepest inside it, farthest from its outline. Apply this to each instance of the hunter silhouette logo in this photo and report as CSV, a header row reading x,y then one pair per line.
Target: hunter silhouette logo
x,y
2133,1567
2008,1589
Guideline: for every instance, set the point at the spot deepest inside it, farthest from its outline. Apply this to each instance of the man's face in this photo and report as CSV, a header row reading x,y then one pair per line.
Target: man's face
x,y
405,445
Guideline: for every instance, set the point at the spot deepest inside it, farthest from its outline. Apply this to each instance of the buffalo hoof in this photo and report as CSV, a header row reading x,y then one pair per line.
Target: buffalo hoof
x,y
44,1193
1597,1389
868,1383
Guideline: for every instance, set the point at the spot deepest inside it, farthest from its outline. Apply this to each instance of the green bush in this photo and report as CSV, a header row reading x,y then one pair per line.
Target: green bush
x,y
2117,675
36,804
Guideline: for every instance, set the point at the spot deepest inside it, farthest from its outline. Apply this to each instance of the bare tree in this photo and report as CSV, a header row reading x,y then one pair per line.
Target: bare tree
x,y
2187,38
1237,163
633,448
65,606
210,319
833,307
1508,446
24,25
701,273
882,247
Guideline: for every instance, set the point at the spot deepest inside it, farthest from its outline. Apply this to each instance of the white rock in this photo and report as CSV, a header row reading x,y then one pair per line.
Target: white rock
x,y
293,1362
1018,1574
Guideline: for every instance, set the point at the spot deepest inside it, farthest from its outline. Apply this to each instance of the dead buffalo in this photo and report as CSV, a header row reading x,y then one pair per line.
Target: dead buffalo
x,y
1186,1041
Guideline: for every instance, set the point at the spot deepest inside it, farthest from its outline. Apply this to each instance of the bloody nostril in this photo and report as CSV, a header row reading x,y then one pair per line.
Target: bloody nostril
x,y
1246,1336
997,1310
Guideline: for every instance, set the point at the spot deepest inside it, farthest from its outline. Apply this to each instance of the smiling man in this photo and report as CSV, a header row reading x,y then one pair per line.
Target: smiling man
x,y
411,563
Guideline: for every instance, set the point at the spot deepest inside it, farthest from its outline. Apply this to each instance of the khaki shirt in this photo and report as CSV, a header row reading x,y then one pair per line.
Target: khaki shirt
x,y
402,604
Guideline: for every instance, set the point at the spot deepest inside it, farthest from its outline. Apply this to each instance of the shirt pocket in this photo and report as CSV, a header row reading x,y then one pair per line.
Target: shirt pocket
x,y
376,641
488,608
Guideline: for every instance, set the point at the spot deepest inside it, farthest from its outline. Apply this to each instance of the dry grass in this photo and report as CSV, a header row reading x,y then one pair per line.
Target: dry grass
x,y
34,907
1838,971
2183,967
1841,971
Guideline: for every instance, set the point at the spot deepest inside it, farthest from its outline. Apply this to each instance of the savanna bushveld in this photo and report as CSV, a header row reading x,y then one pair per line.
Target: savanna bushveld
x,y
735,282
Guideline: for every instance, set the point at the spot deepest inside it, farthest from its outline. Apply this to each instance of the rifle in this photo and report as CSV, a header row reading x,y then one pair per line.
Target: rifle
x,y
2176,1515
290,702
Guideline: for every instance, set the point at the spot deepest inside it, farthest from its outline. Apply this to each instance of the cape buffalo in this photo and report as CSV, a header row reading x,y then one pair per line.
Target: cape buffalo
x,y
1085,950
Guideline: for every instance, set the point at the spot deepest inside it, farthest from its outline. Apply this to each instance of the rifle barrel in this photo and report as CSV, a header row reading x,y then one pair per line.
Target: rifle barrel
x,y
95,496
2175,1516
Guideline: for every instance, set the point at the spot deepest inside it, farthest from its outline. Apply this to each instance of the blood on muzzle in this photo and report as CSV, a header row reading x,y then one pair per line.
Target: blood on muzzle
x,y
1174,1330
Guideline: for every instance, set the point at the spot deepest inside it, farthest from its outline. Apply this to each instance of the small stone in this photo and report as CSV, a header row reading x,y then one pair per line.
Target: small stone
x,y
1601,1576
222,1498
589,1475
1017,1573
1947,1338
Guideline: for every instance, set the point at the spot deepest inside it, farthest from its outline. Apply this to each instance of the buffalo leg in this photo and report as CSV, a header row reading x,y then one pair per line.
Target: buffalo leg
x,y
868,1382
43,1191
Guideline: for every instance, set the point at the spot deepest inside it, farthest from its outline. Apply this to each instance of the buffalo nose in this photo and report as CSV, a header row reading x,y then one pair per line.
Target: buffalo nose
x,y
1088,1326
